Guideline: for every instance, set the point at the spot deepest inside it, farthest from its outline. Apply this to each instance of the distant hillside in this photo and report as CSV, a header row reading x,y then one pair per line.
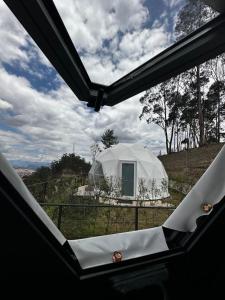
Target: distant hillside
x,y
188,166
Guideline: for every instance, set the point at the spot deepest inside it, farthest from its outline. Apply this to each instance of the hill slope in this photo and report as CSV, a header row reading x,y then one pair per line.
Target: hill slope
x,y
188,166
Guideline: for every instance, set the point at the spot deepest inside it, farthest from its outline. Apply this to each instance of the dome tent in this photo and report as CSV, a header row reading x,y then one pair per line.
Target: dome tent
x,y
134,171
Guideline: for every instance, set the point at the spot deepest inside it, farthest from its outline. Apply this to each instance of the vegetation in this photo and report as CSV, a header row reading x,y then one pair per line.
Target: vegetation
x,y
108,138
70,163
58,182
79,222
95,150
188,166
190,108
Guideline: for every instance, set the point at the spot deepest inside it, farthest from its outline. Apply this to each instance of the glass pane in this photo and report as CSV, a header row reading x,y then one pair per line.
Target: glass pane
x,y
115,37
127,179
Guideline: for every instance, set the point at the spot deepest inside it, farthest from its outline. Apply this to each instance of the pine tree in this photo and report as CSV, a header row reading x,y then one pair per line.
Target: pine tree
x,y
108,138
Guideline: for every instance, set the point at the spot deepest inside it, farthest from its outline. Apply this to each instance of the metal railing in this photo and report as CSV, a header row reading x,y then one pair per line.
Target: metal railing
x,y
85,220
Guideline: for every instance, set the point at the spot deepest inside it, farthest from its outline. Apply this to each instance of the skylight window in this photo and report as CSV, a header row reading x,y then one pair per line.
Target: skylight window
x,y
114,37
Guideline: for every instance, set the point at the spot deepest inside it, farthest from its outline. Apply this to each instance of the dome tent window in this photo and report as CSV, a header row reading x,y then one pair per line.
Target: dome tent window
x,y
133,171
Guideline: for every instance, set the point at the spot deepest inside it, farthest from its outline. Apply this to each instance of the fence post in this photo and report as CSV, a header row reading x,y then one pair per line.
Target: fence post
x,y
136,218
59,217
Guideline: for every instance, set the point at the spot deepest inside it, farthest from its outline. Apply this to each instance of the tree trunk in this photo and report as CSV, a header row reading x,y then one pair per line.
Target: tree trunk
x,y
200,110
174,142
165,122
218,118
167,140
194,135
171,137
178,148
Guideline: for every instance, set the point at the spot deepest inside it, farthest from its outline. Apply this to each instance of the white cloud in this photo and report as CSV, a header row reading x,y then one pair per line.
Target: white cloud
x,y
89,22
137,43
134,49
5,105
47,124
15,43
12,37
173,3
119,24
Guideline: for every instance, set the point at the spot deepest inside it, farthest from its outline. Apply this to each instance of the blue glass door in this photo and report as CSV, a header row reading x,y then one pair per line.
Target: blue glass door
x,y
128,179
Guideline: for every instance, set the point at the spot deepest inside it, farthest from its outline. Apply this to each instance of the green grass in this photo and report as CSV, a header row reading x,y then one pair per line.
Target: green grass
x,y
188,166
78,223
85,222
175,197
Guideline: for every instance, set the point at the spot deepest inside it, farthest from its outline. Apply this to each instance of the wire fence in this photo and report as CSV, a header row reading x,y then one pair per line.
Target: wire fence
x,y
81,221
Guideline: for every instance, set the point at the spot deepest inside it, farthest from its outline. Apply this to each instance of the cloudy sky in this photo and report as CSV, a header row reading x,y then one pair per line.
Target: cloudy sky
x,y
40,118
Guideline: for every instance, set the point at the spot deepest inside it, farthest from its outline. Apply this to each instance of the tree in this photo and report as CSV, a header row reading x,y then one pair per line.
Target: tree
x,y
195,82
192,16
70,162
108,138
181,105
215,94
188,121
215,110
161,107
95,150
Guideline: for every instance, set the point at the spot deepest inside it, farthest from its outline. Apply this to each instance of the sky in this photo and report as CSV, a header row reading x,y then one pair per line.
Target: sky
x,y
40,118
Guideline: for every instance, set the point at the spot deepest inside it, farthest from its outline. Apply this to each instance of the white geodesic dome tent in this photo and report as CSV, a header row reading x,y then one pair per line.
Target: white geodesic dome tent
x,y
134,170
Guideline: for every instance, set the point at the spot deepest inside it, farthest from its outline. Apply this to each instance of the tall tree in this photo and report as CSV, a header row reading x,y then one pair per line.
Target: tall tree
x,y
195,82
215,96
215,110
192,16
189,120
160,107
108,138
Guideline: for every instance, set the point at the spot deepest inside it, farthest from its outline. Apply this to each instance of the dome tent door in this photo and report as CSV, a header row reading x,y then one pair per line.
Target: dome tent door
x,y
128,179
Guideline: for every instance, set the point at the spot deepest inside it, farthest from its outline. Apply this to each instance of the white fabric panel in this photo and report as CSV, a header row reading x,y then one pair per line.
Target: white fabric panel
x,y
18,184
209,189
97,251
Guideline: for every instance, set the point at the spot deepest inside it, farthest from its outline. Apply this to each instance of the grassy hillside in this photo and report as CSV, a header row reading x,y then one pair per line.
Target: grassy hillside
x,y
188,166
